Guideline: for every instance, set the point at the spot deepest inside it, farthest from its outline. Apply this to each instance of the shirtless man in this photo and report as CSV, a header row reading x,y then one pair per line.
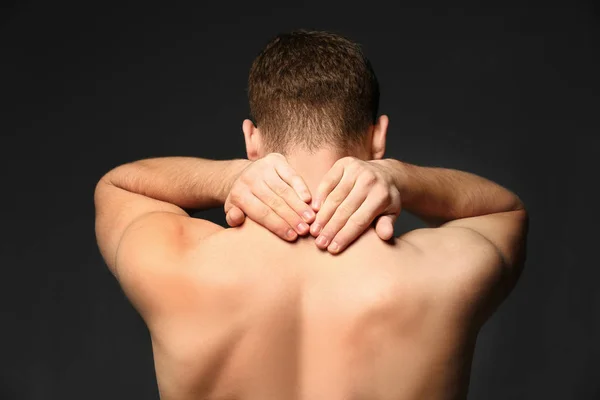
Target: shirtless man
x,y
241,314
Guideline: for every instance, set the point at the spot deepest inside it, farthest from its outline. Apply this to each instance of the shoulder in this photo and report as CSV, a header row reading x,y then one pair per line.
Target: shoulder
x,y
466,271
154,251
161,234
454,244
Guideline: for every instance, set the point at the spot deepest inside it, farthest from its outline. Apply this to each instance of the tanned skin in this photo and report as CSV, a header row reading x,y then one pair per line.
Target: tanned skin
x,y
251,313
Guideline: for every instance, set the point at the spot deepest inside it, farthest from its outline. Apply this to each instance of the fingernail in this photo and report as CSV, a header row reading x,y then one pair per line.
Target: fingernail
x,y
291,234
302,227
316,204
334,247
317,229
322,241
307,215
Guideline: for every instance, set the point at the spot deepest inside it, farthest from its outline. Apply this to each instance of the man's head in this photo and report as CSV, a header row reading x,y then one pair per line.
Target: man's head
x,y
312,91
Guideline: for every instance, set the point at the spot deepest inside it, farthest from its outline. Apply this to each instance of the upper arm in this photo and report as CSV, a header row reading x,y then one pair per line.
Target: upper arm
x,y
134,231
483,256
504,234
151,258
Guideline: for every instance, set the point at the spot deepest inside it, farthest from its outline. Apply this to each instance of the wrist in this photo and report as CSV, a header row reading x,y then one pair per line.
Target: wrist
x,y
231,173
397,170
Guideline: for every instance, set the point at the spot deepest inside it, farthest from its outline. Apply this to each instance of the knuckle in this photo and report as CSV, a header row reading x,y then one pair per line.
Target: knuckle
x,y
329,233
343,188
336,198
348,185
246,179
360,222
329,227
281,190
368,178
322,223
276,203
385,196
335,224
263,213
345,209
379,193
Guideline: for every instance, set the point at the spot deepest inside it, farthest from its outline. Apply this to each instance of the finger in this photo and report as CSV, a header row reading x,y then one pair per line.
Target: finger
x,y
385,226
385,222
228,204
329,181
264,193
341,216
289,176
235,216
359,222
332,201
265,216
288,194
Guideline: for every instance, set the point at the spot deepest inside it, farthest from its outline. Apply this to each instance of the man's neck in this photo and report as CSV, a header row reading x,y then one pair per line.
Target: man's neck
x,y
312,166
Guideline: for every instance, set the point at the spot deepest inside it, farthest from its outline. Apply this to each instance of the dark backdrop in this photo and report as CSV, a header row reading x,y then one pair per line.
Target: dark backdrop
x,y
507,93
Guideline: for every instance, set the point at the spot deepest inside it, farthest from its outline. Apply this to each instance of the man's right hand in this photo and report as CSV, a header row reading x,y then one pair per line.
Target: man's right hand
x,y
349,198
272,194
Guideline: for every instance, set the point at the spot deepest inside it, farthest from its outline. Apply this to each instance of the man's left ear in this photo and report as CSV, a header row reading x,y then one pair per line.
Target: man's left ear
x,y
379,137
252,139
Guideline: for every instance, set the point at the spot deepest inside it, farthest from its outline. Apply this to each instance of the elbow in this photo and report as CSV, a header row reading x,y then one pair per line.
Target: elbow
x,y
518,205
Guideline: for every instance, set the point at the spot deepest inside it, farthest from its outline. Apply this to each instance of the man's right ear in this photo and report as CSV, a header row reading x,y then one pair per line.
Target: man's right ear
x,y
252,139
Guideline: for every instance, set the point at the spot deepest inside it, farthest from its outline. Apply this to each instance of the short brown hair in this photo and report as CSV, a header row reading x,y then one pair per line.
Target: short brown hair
x,y
312,89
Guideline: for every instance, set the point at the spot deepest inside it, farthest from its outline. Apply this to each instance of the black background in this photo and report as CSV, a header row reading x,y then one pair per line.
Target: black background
x,y
509,93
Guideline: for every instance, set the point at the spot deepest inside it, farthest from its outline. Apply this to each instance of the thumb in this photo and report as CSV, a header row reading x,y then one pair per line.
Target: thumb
x,y
385,226
235,216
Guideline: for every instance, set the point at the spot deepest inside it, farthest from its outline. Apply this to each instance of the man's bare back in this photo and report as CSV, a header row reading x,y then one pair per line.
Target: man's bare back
x,y
279,320
263,311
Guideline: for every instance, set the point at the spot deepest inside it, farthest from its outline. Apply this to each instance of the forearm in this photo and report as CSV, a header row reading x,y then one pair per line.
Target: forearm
x,y
439,195
188,182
